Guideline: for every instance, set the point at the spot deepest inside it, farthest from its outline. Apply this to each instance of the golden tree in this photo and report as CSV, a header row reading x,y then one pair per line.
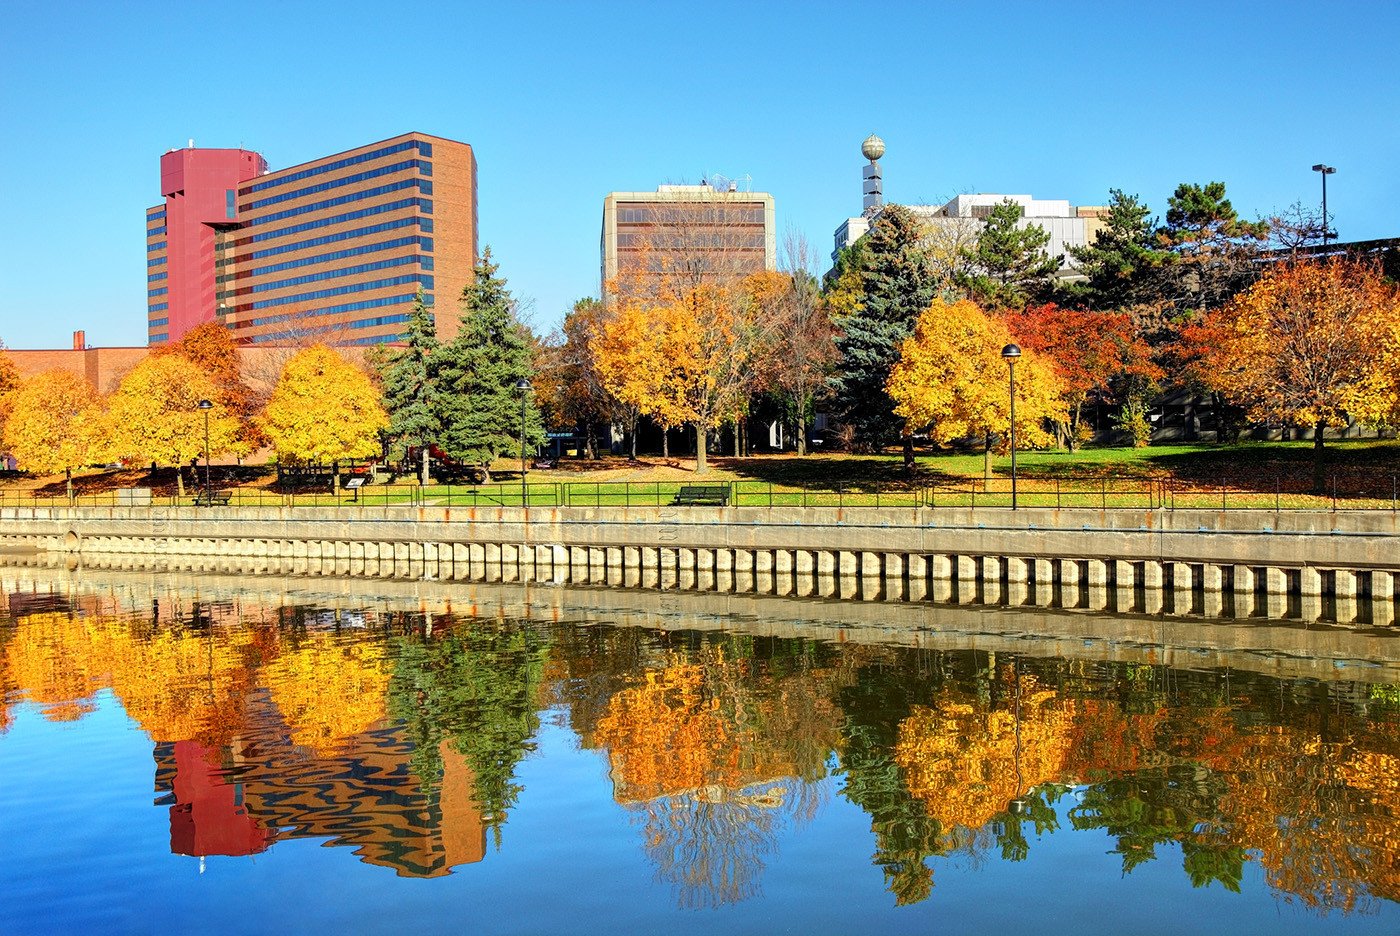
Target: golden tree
x,y
1306,345
324,410
53,423
632,354
951,378
154,415
9,381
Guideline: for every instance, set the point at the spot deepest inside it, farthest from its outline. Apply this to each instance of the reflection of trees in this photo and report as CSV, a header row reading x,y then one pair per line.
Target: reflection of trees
x,y
717,743
329,687
473,685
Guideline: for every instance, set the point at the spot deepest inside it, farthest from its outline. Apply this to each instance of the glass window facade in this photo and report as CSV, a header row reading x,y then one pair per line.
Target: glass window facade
x,y
158,245
155,215
424,205
158,339
422,185
152,293
342,181
328,275
158,307
158,323
424,149
155,231
425,243
155,261
425,281
151,278
329,310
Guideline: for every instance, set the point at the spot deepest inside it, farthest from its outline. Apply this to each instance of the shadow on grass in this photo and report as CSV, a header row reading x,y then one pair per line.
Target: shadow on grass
x,y
852,472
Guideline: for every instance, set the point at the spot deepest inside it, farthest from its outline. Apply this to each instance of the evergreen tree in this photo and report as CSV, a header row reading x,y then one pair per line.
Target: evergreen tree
x,y
1012,260
892,285
410,385
1211,251
480,408
1122,261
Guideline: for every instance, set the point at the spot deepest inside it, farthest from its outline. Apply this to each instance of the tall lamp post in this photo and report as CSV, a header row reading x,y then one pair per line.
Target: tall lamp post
x,y
1326,171
208,490
523,387
1011,354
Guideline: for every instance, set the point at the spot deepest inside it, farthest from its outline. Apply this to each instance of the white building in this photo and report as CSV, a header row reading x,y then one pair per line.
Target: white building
x,y
1067,225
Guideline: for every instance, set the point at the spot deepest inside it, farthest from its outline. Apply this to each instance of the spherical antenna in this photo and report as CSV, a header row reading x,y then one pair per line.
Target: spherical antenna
x,y
873,148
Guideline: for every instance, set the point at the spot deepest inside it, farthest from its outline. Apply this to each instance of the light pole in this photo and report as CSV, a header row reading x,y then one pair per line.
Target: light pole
x,y
1326,171
1011,354
208,490
523,387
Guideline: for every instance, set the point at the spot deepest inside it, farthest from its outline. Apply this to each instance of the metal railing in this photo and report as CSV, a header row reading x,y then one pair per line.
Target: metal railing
x,y
1369,492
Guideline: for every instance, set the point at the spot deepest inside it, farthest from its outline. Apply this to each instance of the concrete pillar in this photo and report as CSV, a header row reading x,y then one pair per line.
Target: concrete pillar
x,y
991,579
918,572
1382,598
1018,569
1309,606
685,559
804,562
1275,593
613,559
744,560
597,564
826,562
578,565
528,559
966,579
1309,581
631,566
1124,585
706,560
1344,592
1096,573
782,561
668,567
558,564
1152,586
510,562
1069,583
1242,590
1182,586
848,564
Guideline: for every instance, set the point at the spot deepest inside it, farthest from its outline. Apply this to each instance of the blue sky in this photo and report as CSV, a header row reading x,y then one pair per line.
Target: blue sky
x,y
565,102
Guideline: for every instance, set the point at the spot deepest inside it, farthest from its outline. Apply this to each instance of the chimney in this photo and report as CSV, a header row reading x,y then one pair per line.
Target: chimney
x,y
79,340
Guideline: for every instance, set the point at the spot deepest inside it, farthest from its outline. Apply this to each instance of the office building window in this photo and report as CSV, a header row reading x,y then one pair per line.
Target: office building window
x,y
424,149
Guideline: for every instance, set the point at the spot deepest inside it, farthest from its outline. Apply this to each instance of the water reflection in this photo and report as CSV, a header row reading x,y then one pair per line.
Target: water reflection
x,y
401,734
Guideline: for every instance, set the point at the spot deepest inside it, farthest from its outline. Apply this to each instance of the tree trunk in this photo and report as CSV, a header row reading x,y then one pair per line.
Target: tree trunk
x,y
909,456
700,440
1319,460
987,461
634,438
335,477
427,479
590,444
665,443
485,474
802,431
1074,426
180,479
68,477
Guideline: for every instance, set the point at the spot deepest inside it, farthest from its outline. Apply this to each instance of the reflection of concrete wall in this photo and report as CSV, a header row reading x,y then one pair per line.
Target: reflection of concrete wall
x,y
1184,639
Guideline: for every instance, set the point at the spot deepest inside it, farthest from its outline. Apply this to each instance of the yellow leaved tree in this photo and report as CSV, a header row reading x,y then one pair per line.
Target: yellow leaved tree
x,y
323,410
53,424
154,415
633,357
952,379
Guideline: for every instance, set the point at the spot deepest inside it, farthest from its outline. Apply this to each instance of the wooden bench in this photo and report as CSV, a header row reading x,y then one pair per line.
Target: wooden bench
x,y
702,495
213,498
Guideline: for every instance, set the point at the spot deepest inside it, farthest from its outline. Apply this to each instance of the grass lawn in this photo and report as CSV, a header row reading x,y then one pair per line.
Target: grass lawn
x,y
1249,474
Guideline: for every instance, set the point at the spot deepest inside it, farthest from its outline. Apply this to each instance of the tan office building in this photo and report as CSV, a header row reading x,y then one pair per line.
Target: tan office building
x,y
695,227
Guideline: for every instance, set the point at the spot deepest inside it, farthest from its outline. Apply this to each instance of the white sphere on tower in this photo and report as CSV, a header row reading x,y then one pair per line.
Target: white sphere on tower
x,y
873,148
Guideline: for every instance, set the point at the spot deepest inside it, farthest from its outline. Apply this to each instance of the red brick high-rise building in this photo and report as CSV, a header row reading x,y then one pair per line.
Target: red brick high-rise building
x,y
331,250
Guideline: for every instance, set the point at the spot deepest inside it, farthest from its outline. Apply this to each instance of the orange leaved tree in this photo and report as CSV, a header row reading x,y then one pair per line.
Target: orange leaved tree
x,y
1090,351
1305,345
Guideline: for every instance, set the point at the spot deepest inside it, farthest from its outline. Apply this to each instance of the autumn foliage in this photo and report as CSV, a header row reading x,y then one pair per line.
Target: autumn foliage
x,y
323,410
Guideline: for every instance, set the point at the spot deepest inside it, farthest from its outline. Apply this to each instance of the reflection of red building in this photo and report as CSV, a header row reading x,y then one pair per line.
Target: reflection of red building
x,y
209,816
367,796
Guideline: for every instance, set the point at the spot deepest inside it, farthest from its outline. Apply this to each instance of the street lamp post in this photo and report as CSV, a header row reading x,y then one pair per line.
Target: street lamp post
x,y
1326,171
1011,354
208,490
523,387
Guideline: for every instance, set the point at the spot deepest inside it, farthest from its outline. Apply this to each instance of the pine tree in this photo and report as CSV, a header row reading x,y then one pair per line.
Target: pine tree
x,y
1212,251
893,285
1012,260
1122,261
480,408
411,386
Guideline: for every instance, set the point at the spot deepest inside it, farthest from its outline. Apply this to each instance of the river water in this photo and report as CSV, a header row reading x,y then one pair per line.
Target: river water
x,y
226,756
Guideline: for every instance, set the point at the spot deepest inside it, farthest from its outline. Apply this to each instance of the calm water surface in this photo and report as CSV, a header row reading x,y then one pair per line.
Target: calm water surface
x,y
171,763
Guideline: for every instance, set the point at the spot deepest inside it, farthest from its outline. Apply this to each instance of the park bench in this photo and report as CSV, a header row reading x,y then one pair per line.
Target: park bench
x,y
702,495
213,498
